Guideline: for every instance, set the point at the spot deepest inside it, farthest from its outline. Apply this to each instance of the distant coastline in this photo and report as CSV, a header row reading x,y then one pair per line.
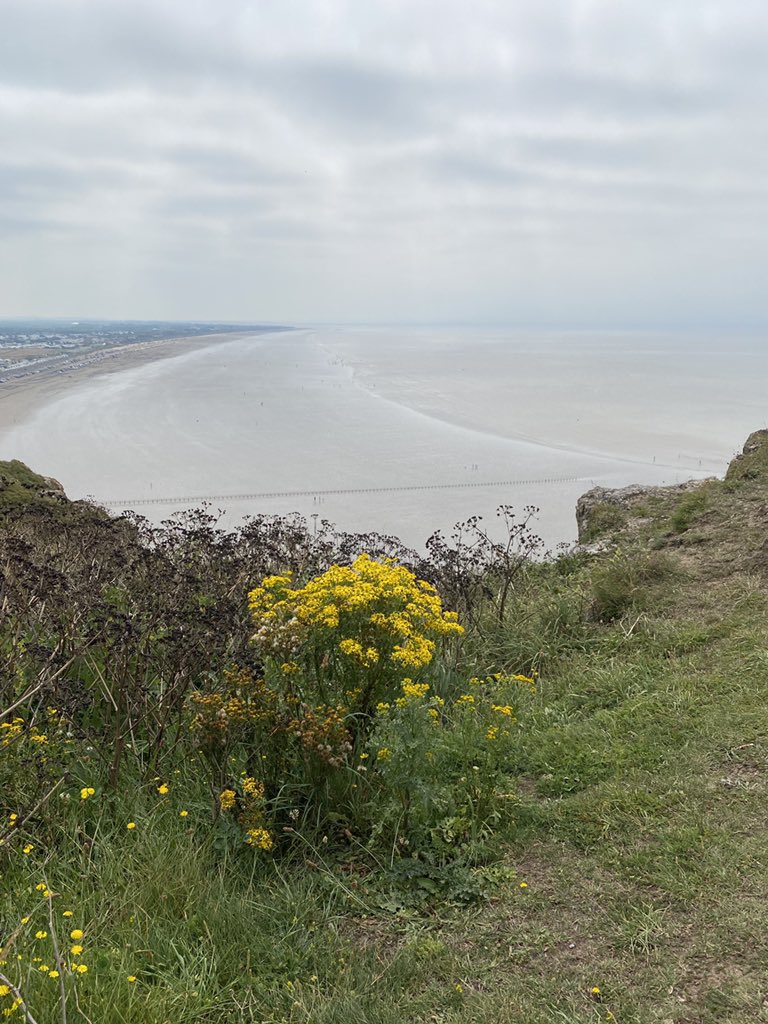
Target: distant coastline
x,y
20,396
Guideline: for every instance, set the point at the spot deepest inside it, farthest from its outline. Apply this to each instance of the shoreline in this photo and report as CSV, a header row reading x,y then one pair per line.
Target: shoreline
x,y
19,399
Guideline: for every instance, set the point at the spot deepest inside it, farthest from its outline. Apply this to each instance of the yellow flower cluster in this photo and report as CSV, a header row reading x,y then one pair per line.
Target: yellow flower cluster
x,y
367,657
397,614
9,731
17,728
260,838
252,787
413,691
227,799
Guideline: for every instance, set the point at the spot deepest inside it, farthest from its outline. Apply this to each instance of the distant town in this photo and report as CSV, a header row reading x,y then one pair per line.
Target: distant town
x,y
28,347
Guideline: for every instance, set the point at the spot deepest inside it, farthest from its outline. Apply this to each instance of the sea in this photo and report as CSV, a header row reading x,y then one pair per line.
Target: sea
x,y
404,431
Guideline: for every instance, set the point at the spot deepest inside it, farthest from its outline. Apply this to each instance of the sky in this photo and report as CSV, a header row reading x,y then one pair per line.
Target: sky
x,y
553,163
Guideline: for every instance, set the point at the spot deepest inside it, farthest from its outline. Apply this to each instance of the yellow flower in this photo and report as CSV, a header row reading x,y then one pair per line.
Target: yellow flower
x,y
44,968
523,885
40,886
260,838
414,690
81,968
384,754
85,792
183,814
67,913
53,974
76,934
131,978
28,848
227,799
25,920
493,733
252,787
76,950
162,790
131,825
41,935
4,990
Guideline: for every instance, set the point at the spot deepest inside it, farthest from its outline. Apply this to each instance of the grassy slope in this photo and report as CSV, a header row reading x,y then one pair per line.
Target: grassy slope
x,y
641,830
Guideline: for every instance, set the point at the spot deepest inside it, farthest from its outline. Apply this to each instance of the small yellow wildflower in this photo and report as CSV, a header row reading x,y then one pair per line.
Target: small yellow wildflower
x,y
81,968
25,920
76,934
28,848
4,990
85,792
260,838
44,968
252,787
384,754
131,978
40,886
41,935
523,885
67,913
162,790
227,799
76,950
131,825
183,814
53,974
492,733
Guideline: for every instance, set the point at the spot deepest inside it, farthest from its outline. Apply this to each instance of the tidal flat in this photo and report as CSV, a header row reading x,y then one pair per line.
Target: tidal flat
x,y
400,430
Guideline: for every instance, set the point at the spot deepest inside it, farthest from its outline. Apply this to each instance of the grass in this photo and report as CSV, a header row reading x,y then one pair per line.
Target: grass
x,y
635,860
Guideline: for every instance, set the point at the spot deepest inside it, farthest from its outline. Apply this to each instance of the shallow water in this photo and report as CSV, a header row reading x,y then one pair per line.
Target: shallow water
x,y
482,417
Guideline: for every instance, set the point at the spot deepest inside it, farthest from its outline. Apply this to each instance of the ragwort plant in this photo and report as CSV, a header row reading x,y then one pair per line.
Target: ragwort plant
x,y
344,731
349,636
440,767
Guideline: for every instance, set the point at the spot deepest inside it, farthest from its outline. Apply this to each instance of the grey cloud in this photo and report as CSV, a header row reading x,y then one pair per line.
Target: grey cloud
x,y
322,150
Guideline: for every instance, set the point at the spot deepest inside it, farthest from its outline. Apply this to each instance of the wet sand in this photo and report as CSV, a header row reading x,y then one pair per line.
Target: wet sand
x,y
20,397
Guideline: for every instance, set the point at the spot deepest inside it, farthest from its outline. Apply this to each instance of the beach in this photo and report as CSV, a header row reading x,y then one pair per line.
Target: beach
x,y
401,431
19,397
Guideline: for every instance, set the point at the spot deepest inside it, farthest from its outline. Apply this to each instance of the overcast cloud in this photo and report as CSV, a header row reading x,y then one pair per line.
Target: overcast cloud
x,y
554,162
